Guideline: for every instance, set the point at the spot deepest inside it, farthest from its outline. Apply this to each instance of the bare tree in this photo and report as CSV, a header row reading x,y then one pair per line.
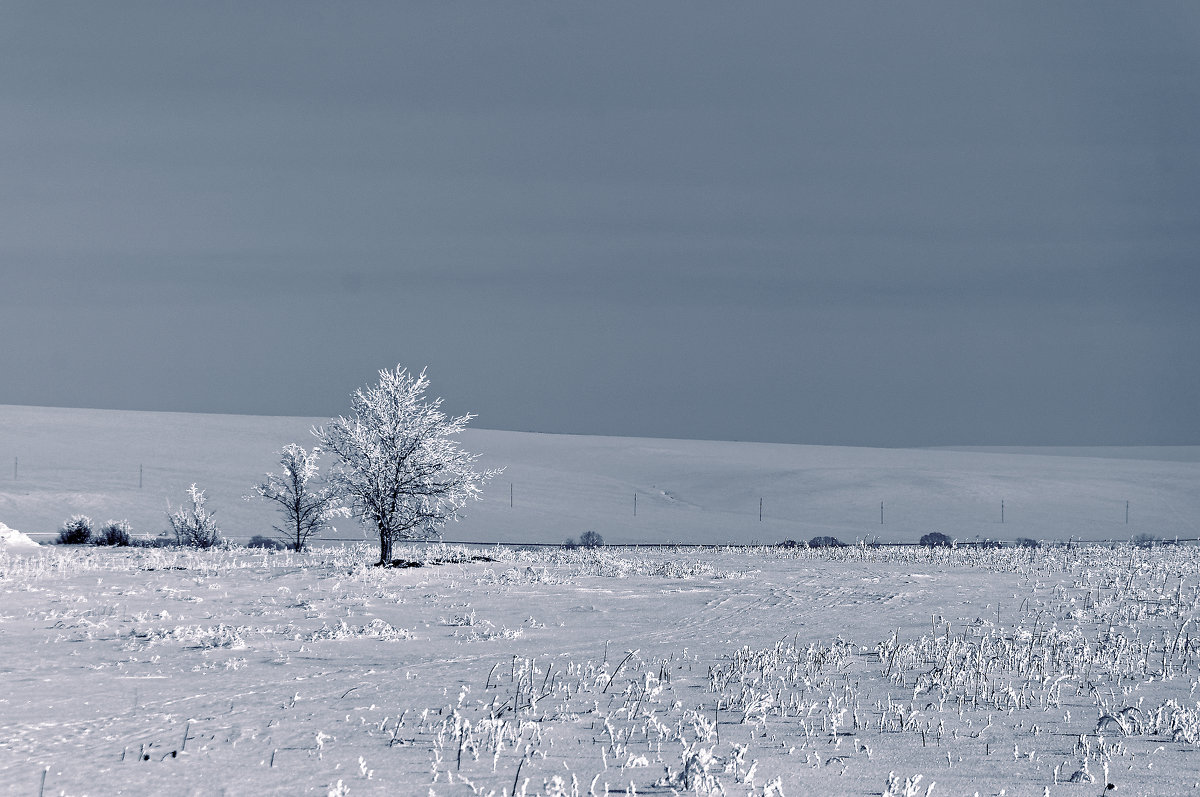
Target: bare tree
x,y
399,467
306,509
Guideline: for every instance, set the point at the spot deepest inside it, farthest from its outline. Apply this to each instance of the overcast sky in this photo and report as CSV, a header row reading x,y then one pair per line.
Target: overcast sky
x,y
870,224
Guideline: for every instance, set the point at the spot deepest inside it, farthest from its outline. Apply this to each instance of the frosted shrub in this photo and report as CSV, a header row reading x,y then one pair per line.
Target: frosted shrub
x,y
194,526
114,532
696,772
376,629
591,539
271,544
910,787
195,636
75,531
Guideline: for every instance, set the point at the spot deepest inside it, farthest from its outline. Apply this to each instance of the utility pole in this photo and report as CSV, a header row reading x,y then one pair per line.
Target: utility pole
x,y
881,513
635,504
760,509
1126,513
510,500
1001,510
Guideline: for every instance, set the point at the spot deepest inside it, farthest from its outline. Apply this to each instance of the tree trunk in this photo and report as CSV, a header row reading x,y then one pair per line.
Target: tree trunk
x,y
385,547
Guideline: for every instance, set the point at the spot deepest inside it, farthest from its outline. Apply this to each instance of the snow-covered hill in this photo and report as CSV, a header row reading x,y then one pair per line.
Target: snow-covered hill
x,y
57,462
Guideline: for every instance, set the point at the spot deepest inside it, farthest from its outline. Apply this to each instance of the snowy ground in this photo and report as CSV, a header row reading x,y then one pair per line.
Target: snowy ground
x,y
744,670
87,461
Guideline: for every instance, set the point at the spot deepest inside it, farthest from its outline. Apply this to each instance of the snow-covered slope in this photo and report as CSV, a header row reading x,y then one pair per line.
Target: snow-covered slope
x,y
87,461
14,541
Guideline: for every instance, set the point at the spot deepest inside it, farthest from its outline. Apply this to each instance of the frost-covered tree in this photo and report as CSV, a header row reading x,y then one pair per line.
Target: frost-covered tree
x,y
194,526
936,539
399,468
307,507
590,539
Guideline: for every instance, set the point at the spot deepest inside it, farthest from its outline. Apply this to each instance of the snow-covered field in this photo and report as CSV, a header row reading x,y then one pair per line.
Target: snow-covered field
x,y
737,671
87,461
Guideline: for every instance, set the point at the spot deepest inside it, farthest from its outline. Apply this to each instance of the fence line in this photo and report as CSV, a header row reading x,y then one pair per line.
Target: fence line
x,y
718,545
797,510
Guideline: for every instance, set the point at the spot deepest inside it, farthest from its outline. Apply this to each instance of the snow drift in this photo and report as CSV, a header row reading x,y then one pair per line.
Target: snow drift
x,y
13,540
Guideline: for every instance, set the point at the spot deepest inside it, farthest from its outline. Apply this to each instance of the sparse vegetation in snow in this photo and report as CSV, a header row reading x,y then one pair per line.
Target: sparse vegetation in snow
x,y
749,671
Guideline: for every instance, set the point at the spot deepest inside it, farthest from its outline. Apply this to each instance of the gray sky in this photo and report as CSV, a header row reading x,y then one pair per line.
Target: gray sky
x,y
874,224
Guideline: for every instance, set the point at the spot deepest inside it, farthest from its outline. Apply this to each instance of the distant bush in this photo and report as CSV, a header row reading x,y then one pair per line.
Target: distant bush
x,y
590,539
787,544
570,544
1027,542
194,526
826,541
75,531
988,543
259,541
1145,540
935,539
114,532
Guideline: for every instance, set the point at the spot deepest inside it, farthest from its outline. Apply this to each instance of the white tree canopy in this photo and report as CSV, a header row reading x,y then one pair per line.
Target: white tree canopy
x,y
399,467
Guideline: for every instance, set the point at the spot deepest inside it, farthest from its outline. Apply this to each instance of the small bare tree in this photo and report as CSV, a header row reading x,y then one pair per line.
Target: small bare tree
x,y
398,466
307,508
